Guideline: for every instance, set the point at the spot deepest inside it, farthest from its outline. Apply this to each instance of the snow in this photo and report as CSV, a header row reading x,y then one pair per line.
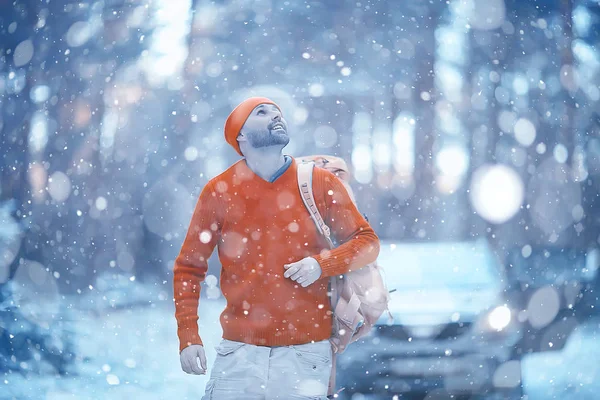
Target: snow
x,y
133,354
128,354
23,53
568,374
497,192
459,119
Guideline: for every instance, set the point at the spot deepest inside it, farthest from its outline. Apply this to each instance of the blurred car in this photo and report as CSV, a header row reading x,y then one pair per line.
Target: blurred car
x,y
454,329
557,289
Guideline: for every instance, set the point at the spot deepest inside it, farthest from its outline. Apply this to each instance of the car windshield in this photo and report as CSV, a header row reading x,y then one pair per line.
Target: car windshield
x,y
439,264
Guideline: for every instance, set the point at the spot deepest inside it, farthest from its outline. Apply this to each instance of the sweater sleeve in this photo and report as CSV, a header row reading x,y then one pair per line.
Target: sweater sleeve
x,y
358,243
191,265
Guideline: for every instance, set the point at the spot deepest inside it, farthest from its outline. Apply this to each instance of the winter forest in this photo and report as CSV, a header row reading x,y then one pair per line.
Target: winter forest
x,y
463,121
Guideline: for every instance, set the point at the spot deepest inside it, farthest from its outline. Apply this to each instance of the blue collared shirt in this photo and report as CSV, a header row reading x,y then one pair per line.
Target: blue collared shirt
x,y
284,167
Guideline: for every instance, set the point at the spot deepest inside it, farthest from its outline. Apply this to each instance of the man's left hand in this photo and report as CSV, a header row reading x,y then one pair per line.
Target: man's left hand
x,y
305,271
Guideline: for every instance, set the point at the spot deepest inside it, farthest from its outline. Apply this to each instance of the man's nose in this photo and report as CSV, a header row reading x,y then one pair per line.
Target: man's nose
x,y
276,117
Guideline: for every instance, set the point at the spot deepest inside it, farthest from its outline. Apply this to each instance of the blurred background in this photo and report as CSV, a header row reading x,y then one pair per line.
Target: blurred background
x,y
473,122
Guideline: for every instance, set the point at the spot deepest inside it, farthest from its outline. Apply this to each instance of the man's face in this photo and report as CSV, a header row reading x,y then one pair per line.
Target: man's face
x,y
265,127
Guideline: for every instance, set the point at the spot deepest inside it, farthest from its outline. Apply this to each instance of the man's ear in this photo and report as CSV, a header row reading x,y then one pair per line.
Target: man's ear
x,y
241,137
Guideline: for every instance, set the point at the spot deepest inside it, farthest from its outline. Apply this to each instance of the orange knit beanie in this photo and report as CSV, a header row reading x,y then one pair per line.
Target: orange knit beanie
x,y
238,117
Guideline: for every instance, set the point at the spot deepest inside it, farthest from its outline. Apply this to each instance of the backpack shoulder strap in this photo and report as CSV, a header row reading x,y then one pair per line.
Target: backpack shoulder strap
x,y
305,177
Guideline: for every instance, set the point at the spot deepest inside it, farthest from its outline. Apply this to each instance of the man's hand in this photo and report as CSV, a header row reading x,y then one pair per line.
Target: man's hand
x,y
189,359
305,271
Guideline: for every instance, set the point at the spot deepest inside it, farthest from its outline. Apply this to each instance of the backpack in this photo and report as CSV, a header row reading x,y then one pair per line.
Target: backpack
x,y
359,297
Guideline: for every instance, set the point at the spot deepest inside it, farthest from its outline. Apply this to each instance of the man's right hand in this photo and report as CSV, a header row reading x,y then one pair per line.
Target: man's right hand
x,y
189,359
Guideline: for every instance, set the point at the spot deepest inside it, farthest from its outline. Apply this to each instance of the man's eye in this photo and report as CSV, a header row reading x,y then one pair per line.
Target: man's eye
x,y
260,111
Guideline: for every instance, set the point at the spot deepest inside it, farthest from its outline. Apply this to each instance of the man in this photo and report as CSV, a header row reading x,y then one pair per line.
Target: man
x,y
275,266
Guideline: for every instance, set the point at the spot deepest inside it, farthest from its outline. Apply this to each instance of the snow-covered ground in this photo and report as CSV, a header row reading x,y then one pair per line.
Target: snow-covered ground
x,y
573,373
133,354
129,354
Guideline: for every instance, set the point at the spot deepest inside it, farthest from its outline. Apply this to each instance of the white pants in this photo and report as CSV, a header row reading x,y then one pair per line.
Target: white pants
x,y
246,371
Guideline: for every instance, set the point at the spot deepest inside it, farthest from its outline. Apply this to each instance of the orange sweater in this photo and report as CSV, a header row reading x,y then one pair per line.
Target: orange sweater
x,y
258,226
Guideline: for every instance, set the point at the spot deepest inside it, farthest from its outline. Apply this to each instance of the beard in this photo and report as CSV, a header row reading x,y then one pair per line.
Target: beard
x,y
267,138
